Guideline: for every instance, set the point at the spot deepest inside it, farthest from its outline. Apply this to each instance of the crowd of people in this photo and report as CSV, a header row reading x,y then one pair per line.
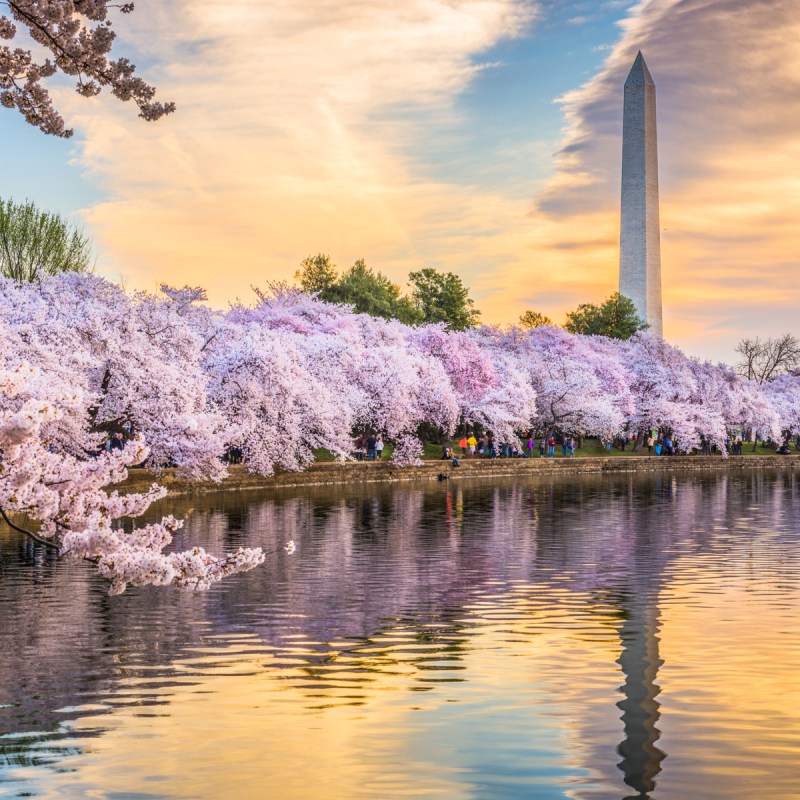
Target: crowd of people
x,y
370,446
485,446
656,443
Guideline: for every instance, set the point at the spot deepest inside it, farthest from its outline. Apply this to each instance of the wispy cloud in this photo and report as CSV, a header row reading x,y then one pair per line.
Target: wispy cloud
x,y
300,126
295,132
728,85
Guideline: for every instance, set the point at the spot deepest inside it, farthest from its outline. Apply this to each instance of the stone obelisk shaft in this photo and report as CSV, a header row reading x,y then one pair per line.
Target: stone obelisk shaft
x,y
640,242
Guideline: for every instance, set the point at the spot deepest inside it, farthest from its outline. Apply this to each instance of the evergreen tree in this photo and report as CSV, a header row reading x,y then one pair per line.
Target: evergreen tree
x,y
367,290
316,274
371,292
533,319
442,297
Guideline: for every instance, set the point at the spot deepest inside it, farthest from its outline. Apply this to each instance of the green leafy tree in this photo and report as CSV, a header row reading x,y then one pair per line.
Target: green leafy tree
x,y
616,318
371,292
36,243
533,319
316,274
368,291
442,297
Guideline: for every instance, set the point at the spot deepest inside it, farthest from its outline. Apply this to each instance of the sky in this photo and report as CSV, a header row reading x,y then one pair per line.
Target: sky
x,y
477,136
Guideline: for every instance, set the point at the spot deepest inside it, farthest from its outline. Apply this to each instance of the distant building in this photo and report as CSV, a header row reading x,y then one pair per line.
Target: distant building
x,y
640,241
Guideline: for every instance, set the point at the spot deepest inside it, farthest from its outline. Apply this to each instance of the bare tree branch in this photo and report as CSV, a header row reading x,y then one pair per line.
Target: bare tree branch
x,y
764,360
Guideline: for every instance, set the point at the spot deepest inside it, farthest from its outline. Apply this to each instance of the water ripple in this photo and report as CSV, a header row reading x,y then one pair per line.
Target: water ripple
x,y
602,637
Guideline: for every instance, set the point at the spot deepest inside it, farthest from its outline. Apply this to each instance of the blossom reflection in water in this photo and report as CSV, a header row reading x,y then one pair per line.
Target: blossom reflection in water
x,y
624,636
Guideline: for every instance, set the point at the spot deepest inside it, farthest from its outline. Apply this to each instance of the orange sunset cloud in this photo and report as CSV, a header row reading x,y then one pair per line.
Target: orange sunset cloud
x,y
727,86
299,128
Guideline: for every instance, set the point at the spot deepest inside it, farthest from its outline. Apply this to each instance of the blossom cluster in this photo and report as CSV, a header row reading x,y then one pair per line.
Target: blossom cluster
x,y
80,360
76,36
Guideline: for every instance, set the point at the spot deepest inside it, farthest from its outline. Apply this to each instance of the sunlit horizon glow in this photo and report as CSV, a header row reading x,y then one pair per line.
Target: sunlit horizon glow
x,y
386,133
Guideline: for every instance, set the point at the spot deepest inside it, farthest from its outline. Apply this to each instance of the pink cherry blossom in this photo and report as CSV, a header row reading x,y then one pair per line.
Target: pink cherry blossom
x,y
75,37
80,359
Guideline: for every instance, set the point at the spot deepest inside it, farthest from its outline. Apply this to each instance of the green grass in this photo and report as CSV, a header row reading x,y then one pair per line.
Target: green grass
x,y
322,454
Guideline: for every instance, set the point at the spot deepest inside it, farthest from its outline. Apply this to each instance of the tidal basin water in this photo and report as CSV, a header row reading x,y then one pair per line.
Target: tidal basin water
x,y
627,636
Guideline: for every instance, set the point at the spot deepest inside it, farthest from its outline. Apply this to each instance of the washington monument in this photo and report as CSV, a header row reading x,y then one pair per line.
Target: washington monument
x,y
640,246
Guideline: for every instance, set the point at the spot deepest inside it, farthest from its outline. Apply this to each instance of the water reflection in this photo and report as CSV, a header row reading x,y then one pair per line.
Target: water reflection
x,y
499,639
639,659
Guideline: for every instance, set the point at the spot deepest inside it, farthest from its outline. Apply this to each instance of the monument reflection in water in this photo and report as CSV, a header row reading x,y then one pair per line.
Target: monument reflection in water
x,y
475,640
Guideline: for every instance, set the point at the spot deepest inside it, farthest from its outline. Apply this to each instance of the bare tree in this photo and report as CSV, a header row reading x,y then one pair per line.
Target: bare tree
x,y
763,360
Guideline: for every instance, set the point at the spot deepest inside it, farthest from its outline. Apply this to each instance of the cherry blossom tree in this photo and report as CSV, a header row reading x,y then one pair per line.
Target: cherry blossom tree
x,y
691,399
273,407
783,394
508,403
74,37
80,359
579,389
662,384
466,364
136,359
52,473
367,371
734,401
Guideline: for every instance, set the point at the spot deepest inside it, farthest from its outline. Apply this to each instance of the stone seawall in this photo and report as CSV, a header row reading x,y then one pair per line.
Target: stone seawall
x,y
329,473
